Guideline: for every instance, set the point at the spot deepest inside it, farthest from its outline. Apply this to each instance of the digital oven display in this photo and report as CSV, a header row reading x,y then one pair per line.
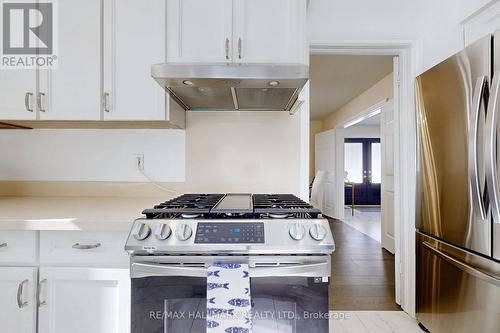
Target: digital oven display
x,y
234,233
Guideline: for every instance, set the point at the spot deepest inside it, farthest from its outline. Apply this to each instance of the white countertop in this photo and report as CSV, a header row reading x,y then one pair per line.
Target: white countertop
x,y
72,213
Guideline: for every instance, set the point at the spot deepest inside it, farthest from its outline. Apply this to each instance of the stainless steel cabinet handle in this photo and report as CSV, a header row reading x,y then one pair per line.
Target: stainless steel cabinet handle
x,y
20,291
227,48
309,270
477,198
491,148
3,245
239,47
39,300
463,266
40,101
27,101
79,246
105,102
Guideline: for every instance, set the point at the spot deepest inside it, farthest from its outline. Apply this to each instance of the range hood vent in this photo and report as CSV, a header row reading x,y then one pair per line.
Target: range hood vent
x,y
227,87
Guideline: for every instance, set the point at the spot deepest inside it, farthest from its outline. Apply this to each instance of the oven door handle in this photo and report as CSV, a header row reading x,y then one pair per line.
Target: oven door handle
x,y
321,269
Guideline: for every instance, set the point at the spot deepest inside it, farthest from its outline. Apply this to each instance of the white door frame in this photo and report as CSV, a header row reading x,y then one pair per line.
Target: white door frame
x,y
409,53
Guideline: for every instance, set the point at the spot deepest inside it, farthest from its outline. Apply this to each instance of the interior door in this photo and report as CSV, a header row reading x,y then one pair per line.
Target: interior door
x,y
199,31
17,300
73,90
268,31
325,160
387,175
83,300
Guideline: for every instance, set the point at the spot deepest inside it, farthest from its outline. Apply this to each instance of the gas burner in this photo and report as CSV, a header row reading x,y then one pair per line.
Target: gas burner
x,y
190,216
233,206
278,216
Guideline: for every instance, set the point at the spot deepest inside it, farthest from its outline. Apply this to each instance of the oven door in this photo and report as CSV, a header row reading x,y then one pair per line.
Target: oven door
x,y
289,293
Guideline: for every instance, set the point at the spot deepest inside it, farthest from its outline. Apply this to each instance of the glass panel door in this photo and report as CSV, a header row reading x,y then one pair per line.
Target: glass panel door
x,y
362,161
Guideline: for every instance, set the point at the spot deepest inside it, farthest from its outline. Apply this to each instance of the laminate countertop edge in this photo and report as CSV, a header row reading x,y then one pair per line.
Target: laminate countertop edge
x,y
72,213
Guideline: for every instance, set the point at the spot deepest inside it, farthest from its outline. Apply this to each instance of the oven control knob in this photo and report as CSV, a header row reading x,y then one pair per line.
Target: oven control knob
x,y
297,231
163,231
317,231
141,231
183,232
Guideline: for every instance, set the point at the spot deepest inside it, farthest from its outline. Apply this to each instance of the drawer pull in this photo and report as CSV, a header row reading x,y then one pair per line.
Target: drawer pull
x,y
39,293
79,246
20,290
3,245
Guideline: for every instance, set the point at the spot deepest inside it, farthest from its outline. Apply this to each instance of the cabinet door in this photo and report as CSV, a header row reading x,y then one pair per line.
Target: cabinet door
x,y
17,94
17,299
83,300
270,31
72,91
134,39
199,31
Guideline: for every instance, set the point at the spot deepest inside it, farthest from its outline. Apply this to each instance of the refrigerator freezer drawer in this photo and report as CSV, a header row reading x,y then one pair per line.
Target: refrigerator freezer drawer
x,y
457,291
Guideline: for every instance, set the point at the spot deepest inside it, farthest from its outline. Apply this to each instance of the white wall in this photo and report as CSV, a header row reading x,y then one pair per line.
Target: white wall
x,y
436,24
362,131
243,152
219,152
91,155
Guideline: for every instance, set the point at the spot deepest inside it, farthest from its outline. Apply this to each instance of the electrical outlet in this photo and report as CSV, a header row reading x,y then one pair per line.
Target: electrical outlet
x,y
139,162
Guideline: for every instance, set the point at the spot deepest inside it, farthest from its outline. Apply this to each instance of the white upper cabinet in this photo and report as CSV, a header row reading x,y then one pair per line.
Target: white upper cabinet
x,y
17,299
199,31
134,39
269,31
72,90
17,94
84,300
241,31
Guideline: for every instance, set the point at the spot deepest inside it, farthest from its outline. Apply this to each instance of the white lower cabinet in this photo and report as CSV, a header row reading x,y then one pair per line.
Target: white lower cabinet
x,y
71,281
17,299
83,300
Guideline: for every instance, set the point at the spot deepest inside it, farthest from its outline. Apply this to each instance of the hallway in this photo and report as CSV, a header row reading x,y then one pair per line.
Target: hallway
x,y
362,272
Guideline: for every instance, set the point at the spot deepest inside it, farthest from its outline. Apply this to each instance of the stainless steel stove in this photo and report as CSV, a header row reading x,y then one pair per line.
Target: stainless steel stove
x,y
284,240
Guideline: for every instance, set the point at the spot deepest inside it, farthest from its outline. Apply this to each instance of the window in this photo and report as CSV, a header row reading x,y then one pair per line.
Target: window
x,y
353,161
376,165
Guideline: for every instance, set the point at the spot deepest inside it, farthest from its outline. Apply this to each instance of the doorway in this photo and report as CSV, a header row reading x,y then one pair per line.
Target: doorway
x,y
404,135
351,151
363,175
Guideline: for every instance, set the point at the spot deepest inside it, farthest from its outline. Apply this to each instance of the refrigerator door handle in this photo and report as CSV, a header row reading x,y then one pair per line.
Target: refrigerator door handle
x,y
491,148
477,200
463,266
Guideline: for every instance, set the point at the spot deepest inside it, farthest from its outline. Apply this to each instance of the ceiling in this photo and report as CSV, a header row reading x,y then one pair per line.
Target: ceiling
x,y
337,79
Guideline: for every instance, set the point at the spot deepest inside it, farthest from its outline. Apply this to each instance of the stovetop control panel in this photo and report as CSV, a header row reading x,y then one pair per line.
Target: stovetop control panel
x,y
221,233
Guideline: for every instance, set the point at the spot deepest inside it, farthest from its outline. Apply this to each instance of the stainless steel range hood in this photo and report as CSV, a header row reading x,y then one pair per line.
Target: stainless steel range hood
x,y
246,87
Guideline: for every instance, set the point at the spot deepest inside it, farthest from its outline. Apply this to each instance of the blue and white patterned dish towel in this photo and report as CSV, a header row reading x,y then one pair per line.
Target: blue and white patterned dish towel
x,y
228,299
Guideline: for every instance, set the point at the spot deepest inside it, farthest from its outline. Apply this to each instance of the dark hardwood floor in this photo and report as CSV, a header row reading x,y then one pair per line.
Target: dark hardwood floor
x,y
362,272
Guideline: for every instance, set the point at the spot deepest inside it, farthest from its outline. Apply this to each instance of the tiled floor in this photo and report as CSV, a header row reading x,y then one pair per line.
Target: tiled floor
x,y
362,272
372,322
365,220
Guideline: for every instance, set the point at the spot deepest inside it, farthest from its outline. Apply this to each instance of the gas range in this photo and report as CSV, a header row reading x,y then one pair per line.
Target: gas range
x,y
284,243
234,223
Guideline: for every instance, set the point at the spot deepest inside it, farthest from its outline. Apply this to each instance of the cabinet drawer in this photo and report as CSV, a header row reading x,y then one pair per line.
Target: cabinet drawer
x,y
17,246
79,247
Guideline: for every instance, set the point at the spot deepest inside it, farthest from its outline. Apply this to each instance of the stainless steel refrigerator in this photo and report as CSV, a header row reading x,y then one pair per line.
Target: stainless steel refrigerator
x,y
458,192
